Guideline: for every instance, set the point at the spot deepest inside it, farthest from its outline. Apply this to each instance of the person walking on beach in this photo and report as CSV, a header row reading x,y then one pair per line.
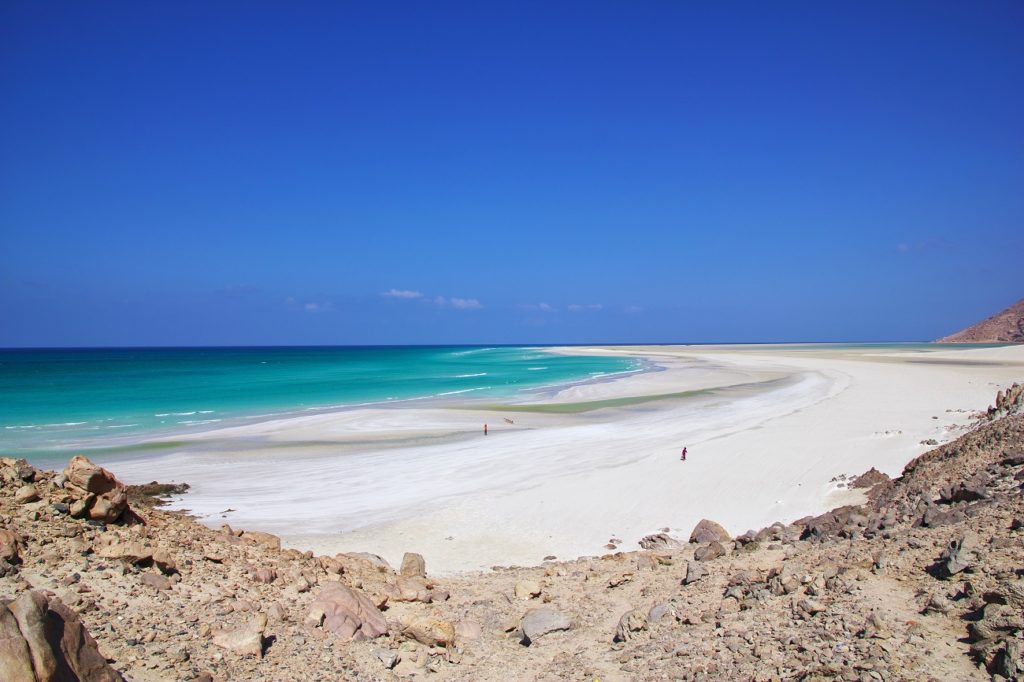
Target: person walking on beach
x,y
682,457
485,429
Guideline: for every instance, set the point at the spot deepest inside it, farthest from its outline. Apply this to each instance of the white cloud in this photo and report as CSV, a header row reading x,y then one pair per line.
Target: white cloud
x,y
631,309
402,293
584,307
466,303
313,307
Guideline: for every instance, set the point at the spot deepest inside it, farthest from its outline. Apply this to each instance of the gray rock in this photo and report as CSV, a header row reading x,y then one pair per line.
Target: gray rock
x,y
539,622
246,640
660,611
709,552
387,657
660,542
694,572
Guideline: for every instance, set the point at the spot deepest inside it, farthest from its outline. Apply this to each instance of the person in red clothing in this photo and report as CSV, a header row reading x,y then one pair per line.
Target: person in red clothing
x,y
485,429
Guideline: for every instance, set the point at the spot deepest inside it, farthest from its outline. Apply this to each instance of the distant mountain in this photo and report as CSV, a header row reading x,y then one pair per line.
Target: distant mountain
x,y
1003,327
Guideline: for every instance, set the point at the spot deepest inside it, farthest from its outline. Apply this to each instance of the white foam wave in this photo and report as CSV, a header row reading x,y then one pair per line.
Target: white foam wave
x,y
465,390
466,376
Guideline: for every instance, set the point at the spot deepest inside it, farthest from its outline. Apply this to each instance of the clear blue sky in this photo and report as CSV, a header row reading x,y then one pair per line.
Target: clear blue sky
x,y
180,173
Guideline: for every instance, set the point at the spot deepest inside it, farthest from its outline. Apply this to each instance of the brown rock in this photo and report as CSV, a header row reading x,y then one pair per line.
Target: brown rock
x,y
265,539
15,658
413,565
102,496
431,631
26,493
155,581
58,644
10,546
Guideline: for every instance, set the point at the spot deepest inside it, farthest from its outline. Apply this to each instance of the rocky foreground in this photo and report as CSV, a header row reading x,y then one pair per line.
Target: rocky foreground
x,y
925,581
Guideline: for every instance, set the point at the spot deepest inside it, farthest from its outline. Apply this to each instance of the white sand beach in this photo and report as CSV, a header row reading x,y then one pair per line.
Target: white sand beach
x,y
768,430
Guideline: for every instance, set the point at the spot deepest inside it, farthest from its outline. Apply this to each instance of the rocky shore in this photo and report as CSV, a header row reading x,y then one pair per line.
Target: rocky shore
x,y
924,581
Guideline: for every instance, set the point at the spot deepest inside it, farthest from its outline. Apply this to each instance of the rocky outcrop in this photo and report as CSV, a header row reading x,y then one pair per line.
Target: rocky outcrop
x,y
41,640
1006,326
346,613
96,493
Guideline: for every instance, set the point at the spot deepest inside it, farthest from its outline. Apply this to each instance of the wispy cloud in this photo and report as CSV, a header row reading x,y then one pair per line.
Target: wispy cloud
x,y
584,307
542,307
402,293
309,306
465,303
632,309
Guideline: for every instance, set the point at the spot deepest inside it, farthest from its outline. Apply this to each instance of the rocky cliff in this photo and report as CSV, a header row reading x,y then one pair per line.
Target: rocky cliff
x,y
1006,326
924,581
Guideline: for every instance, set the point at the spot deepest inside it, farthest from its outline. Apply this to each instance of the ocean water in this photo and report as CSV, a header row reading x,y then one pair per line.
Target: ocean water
x,y
54,402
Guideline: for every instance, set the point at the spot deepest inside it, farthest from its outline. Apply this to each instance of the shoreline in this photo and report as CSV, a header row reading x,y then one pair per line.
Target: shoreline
x,y
565,484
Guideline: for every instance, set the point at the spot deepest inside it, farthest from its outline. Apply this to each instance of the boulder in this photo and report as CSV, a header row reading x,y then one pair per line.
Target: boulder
x,y
660,542
347,613
43,640
101,496
246,639
26,493
11,545
542,621
709,531
709,552
631,622
413,565
431,631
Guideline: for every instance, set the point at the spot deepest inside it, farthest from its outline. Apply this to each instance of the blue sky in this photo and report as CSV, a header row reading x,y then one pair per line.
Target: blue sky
x,y
571,172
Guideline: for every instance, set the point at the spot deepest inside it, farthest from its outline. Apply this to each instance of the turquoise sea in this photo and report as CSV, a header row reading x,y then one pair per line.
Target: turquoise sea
x,y
55,402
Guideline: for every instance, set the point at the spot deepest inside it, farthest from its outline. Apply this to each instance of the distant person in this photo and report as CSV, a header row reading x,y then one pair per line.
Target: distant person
x,y
682,457
485,429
